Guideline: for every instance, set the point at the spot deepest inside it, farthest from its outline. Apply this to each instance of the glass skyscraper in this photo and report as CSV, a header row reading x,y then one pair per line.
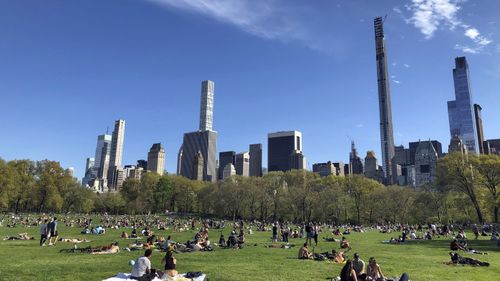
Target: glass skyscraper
x,y
461,110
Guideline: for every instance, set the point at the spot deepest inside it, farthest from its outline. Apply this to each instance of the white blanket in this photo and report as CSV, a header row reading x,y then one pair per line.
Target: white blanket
x,y
125,277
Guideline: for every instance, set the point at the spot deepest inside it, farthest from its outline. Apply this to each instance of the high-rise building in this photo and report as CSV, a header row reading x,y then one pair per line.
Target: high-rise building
x,y
339,168
242,165
179,161
280,146
413,149
115,157
206,105
297,160
142,164
198,165
324,169
101,140
90,172
461,110
426,158
203,142
479,127
384,96
256,160
371,165
457,145
156,159
226,157
355,162
228,171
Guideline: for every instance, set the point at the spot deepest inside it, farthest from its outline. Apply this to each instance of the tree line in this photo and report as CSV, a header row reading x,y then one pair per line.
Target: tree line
x,y
465,189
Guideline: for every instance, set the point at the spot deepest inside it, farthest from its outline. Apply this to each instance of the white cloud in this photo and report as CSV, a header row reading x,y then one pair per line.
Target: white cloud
x,y
268,19
472,33
406,65
431,15
396,81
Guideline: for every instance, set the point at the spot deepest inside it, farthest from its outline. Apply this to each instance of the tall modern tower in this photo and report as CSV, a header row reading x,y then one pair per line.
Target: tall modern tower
x,y
461,110
156,159
101,140
199,148
206,105
115,157
479,128
384,97
256,160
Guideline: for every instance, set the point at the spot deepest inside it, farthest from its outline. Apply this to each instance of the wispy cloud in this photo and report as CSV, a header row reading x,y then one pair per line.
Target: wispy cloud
x,y
406,65
396,81
268,19
431,15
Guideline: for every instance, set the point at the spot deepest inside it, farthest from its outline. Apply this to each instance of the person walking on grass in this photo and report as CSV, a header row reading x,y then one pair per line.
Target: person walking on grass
x,y
52,229
43,233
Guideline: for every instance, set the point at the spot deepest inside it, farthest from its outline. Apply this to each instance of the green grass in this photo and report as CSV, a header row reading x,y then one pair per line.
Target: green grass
x,y
423,260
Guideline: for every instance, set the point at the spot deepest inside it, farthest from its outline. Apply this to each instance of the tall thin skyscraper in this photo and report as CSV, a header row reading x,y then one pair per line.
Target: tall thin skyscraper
x,y
256,160
156,159
384,96
479,128
206,105
355,162
115,157
461,110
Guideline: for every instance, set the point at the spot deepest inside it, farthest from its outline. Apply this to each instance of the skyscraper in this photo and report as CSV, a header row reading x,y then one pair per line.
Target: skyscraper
x,y
206,105
156,159
225,157
461,110
280,146
115,157
242,165
101,139
426,158
355,163
479,127
205,144
384,96
179,161
256,160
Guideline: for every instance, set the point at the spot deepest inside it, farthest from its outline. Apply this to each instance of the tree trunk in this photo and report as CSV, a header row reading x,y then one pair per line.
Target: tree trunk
x,y
495,214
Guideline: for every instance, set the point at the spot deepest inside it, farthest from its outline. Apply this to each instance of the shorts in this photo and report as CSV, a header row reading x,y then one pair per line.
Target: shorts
x,y
309,235
54,234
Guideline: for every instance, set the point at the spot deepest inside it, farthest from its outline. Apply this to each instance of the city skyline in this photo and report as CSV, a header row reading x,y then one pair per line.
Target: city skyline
x,y
67,100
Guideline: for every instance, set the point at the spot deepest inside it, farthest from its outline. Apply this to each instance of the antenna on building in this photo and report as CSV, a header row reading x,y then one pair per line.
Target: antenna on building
x,y
385,17
107,130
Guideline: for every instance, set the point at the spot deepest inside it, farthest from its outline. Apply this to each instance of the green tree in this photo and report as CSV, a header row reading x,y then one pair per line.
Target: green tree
x,y
489,168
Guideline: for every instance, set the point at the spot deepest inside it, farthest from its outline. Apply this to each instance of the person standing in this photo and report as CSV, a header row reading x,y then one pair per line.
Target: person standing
x,y
52,229
316,233
43,233
275,232
309,233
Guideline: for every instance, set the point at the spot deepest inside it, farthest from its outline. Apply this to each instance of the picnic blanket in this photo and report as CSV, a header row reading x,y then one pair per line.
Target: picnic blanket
x,y
180,277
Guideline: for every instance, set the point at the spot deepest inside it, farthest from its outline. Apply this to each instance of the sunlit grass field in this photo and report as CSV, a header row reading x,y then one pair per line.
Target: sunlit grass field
x,y
423,260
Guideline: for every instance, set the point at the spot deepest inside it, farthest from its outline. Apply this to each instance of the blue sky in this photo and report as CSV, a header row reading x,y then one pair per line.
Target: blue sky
x,y
68,69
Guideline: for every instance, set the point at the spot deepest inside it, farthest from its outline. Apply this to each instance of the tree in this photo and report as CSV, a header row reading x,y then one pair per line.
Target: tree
x,y
489,168
457,172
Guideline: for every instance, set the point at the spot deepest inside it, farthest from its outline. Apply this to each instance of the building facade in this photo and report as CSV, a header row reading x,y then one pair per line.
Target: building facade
x,y
115,157
426,159
207,105
324,169
479,128
203,142
242,165
355,162
225,157
280,147
461,110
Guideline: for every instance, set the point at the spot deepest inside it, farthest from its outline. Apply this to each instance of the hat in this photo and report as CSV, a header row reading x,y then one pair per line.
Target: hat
x,y
356,255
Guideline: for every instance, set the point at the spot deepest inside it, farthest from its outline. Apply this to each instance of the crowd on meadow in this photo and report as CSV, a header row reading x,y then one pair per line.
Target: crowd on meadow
x,y
141,231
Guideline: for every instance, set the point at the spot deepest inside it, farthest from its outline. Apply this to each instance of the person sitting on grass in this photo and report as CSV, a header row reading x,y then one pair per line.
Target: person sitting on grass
x,y
142,268
359,266
348,273
455,246
344,243
124,235
241,239
222,241
111,249
373,271
304,253
457,259
170,264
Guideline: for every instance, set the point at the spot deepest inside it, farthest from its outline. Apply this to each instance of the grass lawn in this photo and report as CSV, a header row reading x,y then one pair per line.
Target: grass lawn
x,y
423,260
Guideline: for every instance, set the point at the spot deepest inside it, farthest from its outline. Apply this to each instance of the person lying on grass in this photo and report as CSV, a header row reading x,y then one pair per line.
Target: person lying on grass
x,y
74,240
103,250
305,253
337,257
20,236
457,259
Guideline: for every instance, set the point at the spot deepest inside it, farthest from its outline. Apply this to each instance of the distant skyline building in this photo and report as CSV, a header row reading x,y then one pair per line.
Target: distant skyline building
x,y
371,166
156,159
198,166
256,160
207,105
461,110
457,145
225,157
242,165
413,149
90,172
142,164
426,159
479,127
115,157
280,146
386,128
101,139
297,160
355,162
228,171
179,161
494,146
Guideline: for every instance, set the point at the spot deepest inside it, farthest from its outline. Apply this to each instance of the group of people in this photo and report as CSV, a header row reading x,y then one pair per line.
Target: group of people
x,y
355,270
48,232
143,271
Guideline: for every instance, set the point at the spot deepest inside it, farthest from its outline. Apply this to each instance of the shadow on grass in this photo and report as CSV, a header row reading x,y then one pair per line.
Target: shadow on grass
x,y
479,245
